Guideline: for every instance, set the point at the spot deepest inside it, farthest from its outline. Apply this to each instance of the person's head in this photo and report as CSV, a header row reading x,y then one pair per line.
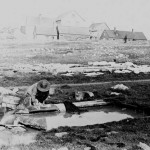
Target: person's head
x,y
43,86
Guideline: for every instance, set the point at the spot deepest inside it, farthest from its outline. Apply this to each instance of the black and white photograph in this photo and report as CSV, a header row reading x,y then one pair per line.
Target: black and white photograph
x,y
75,74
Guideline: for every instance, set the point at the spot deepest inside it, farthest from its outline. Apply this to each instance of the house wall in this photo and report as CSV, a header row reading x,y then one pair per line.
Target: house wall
x,y
74,30
44,33
29,32
74,37
45,38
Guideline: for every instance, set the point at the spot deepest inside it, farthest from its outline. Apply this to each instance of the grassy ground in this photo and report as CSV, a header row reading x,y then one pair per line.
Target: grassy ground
x,y
26,79
125,134
71,52
110,136
116,135
74,52
138,94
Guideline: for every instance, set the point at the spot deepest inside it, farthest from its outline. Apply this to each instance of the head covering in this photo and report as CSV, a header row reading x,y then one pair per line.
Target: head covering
x,y
43,86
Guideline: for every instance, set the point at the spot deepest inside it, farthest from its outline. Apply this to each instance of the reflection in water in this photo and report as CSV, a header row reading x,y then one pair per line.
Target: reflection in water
x,y
87,118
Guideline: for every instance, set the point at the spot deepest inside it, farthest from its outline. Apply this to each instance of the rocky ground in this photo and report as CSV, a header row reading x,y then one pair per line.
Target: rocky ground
x,y
126,134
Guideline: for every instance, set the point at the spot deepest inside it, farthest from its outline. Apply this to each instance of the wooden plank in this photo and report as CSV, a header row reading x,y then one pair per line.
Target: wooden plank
x,y
90,103
11,126
61,107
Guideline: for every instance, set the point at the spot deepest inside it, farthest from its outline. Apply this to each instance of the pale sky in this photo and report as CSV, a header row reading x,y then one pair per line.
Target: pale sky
x,y
122,14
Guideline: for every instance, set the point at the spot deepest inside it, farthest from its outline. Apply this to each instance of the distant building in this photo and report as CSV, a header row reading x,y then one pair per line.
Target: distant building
x,y
96,30
64,32
72,26
68,25
120,35
32,22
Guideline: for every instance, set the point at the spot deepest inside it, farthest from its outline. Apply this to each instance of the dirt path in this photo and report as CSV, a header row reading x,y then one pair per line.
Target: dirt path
x,y
95,83
109,82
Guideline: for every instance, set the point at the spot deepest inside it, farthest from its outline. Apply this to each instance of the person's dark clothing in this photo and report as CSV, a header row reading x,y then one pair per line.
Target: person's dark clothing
x,y
41,96
125,39
57,33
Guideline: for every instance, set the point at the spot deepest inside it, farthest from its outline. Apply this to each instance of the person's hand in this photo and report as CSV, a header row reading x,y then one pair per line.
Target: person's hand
x,y
40,104
35,102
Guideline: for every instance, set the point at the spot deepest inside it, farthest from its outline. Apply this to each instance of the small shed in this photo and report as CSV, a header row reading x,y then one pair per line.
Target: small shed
x,y
44,31
74,32
96,29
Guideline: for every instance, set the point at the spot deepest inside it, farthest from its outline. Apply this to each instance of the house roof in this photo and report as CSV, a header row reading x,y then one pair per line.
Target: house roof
x,y
111,33
95,25
45,30
121,34
32,21
140,35
67,13
74,30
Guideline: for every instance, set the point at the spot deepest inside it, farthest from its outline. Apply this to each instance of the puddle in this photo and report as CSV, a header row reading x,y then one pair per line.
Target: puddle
x,y
9,137
103,115
50,120
87,118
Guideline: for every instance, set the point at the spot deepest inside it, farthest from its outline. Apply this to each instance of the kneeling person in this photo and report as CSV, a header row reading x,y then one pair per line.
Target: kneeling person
x,y
37,93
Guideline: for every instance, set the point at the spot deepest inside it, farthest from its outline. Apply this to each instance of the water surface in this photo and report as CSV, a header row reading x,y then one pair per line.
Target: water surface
x,y
91,117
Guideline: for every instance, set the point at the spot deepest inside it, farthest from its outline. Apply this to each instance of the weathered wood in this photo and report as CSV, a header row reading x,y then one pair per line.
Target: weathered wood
x,y
90,103
61,107
11,126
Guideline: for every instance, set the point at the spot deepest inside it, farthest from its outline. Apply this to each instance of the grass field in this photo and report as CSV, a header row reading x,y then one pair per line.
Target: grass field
x,y
74,52
125,134
70,53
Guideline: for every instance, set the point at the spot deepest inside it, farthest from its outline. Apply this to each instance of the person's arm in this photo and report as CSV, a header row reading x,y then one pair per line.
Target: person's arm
x,y
33,94
32,91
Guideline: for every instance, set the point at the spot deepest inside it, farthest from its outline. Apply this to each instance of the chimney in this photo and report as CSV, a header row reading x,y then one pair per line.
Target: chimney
x,y
115,30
